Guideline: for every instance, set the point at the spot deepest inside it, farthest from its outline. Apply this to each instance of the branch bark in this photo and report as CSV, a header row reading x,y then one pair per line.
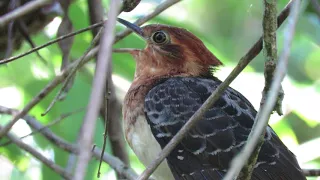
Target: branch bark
x,y
111,117
244,61
269,24
99,82
21,11
261,120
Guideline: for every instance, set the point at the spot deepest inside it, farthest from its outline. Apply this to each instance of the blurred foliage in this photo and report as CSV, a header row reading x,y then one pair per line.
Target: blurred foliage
x,y
228,28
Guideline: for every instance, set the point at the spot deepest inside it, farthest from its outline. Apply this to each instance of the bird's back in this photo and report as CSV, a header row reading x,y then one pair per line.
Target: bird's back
x,y
208,148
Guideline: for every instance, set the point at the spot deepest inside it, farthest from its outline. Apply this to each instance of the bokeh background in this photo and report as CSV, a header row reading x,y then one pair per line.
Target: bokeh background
x,y
228,28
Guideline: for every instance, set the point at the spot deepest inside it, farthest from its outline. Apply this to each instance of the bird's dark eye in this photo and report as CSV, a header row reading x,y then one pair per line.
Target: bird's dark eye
x,y
160,37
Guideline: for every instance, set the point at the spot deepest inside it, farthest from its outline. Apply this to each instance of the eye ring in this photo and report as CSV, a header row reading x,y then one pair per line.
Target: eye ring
x,y
160,37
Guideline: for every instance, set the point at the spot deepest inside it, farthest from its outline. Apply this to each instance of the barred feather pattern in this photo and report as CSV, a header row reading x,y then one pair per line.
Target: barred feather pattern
x,y
207,149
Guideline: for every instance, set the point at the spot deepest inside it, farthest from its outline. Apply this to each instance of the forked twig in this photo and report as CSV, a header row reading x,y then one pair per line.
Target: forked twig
x,y
261,120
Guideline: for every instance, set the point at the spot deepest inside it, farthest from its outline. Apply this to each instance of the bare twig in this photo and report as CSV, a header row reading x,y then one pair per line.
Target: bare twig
x,y
23,29
44,92
56,168
265,111
111,108
115,130
105,114
269,24
311,172
4,61
71,163
114,162
73,71
99,82
244,61
124,50
21,11
54,122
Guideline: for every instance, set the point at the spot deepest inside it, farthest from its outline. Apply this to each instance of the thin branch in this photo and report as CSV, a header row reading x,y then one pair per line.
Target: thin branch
x,y
73,71
54,122
115,129
264,113
44,92
21,11
56,168
124,50
111,118
71,163
23,29
99,82
114,162
4,61
269,24
105,114
244,61
311,172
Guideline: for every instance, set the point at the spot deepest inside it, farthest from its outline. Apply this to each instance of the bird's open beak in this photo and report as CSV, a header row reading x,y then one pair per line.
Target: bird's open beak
x,y
133,27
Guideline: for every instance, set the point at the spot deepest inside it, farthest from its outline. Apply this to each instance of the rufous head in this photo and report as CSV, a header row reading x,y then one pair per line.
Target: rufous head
x,y
170,51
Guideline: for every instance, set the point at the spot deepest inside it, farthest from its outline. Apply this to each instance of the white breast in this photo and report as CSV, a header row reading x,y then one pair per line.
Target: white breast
x,y
147,148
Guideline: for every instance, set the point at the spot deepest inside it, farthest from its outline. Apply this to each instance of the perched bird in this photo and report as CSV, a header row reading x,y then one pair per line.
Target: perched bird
x,y
172,80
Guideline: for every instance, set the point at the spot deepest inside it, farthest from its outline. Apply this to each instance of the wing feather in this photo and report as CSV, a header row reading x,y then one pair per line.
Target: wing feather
x,y
207,149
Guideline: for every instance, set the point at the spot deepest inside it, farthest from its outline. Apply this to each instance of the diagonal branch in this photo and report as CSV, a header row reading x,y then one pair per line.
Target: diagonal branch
x,y
54,122
71,75
261,120
93,26
21,11
114,162
56,168
244,61
99,83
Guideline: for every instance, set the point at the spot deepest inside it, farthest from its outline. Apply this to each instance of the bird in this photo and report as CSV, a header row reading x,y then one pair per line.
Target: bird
x,y
174,76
